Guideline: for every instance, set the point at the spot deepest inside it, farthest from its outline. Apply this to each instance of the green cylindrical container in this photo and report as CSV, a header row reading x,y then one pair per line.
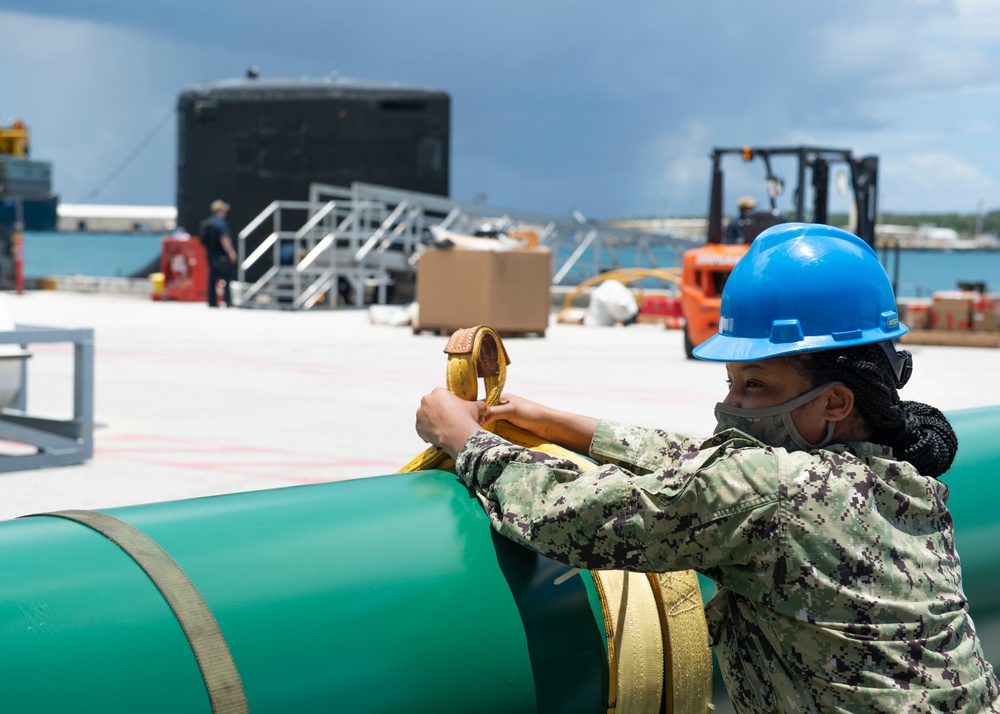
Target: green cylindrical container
x,y
974,487
974,501
388,594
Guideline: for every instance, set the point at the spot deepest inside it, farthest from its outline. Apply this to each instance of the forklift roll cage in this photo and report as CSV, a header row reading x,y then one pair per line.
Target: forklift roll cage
x,y
815,161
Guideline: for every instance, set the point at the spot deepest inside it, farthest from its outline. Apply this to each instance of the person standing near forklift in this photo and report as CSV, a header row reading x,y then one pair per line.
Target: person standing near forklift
x,y
221,254
734,231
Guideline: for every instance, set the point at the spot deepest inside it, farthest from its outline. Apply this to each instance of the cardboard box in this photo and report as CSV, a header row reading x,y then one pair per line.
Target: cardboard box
x,y
915,314
505,290
984,313
952,310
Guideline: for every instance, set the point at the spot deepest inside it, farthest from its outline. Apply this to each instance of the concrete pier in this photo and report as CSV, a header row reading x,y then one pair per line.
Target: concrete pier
x,y
192,401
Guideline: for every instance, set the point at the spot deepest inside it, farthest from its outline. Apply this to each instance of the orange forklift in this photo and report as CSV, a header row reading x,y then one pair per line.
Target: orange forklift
x,y
705,269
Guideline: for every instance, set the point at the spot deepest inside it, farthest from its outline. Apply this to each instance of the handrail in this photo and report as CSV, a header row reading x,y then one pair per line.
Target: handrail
x,y
450,218
316,251
411,216
308,297
325,189
580,250
324,243
377,235
272,209
242,262
261,249
550,229
315,219
261,217
261,282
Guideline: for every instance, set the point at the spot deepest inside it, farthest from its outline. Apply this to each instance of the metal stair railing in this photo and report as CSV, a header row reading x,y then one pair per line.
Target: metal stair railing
x,y
404,229
315,290
302,240
556,232
367,234
241,240
248,294
328,240
580,250
375,237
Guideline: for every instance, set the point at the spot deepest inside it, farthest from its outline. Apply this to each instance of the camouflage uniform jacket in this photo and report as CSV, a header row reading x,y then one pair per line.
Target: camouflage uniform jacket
x,y
839,585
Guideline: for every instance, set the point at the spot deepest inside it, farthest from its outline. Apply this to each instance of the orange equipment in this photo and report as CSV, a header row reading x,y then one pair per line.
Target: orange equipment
x,y
703,276
14,140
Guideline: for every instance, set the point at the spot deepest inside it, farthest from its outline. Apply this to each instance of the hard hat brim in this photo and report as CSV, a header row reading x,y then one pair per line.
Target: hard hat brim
x,y
722,348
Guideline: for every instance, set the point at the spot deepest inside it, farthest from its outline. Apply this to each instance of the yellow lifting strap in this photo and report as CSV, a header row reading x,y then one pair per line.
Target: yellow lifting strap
x,y
474,353
658,655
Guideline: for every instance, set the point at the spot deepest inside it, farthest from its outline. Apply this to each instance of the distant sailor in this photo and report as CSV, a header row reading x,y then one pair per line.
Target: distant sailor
x,y
221,254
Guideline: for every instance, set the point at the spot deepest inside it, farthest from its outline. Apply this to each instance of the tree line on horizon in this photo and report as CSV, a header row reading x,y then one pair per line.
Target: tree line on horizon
x,y
965,224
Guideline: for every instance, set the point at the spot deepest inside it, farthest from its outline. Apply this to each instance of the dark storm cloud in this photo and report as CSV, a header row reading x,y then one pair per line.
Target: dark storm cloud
x,y
610,108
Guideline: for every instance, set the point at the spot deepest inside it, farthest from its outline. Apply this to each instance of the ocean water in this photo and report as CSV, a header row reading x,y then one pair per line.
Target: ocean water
x,y
917,273
103,255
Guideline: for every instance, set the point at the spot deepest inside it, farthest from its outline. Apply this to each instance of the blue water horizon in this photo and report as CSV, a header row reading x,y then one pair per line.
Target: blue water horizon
x,y
919,273
101,255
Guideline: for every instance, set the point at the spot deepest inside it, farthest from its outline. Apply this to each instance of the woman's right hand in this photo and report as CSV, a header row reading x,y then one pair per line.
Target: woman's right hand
x,y
572,431
520,412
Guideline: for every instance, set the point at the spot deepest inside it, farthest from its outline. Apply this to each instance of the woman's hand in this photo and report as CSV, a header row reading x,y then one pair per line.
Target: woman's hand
x,y
520,412
447,420
573,431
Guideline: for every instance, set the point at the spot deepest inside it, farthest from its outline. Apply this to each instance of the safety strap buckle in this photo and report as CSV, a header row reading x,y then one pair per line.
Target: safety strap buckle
x,y
901,363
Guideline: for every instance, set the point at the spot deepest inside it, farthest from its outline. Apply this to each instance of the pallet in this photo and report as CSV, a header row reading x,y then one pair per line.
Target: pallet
x,y
447,331
951,338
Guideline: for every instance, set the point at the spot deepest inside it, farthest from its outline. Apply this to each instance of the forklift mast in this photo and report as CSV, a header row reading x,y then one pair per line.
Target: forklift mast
x,y
815,161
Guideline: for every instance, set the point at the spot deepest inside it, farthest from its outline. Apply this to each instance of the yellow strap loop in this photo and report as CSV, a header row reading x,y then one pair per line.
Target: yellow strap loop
x,y
687,658
635,641
658,655
474,353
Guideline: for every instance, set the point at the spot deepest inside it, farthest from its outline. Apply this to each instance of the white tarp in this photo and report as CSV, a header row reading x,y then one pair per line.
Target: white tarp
x,y
611,302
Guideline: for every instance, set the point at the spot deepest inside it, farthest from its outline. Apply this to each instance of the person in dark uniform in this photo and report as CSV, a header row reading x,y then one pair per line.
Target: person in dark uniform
x,y
221,254
734,231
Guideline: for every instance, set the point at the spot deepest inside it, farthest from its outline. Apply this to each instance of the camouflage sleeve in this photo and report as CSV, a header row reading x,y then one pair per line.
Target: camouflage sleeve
x,y
640,449
683,507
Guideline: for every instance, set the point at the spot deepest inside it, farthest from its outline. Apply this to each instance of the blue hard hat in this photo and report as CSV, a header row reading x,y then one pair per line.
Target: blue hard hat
x,y
803,287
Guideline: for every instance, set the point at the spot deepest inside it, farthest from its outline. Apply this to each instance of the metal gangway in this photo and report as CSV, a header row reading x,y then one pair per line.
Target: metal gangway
x,y
344,244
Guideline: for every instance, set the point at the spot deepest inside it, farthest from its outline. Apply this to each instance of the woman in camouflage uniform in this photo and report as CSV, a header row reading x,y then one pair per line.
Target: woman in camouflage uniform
x,y
815,507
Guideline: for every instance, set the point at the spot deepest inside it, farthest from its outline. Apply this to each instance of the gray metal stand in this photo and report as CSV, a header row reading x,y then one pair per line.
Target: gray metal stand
x,y
59,442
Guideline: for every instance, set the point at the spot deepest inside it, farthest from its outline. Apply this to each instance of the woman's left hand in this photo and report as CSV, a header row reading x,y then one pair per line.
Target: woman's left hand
x,y
447,420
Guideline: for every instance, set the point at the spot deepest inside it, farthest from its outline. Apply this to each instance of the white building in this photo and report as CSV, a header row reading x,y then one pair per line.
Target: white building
x,y
113,219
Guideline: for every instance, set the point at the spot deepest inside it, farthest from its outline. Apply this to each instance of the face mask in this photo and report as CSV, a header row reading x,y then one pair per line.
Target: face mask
x,y
773,425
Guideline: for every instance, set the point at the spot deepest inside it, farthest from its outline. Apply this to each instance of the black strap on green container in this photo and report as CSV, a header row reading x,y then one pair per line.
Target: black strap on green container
x,y
222,680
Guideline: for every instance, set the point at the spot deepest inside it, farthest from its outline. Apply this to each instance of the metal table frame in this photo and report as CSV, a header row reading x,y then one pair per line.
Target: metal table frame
x,y
59,442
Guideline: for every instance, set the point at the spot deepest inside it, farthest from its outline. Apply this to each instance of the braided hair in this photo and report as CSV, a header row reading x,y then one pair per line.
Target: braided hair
x,y
916,432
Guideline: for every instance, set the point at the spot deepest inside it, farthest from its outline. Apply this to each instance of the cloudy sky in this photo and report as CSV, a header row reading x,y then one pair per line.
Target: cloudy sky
x,y
608,108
